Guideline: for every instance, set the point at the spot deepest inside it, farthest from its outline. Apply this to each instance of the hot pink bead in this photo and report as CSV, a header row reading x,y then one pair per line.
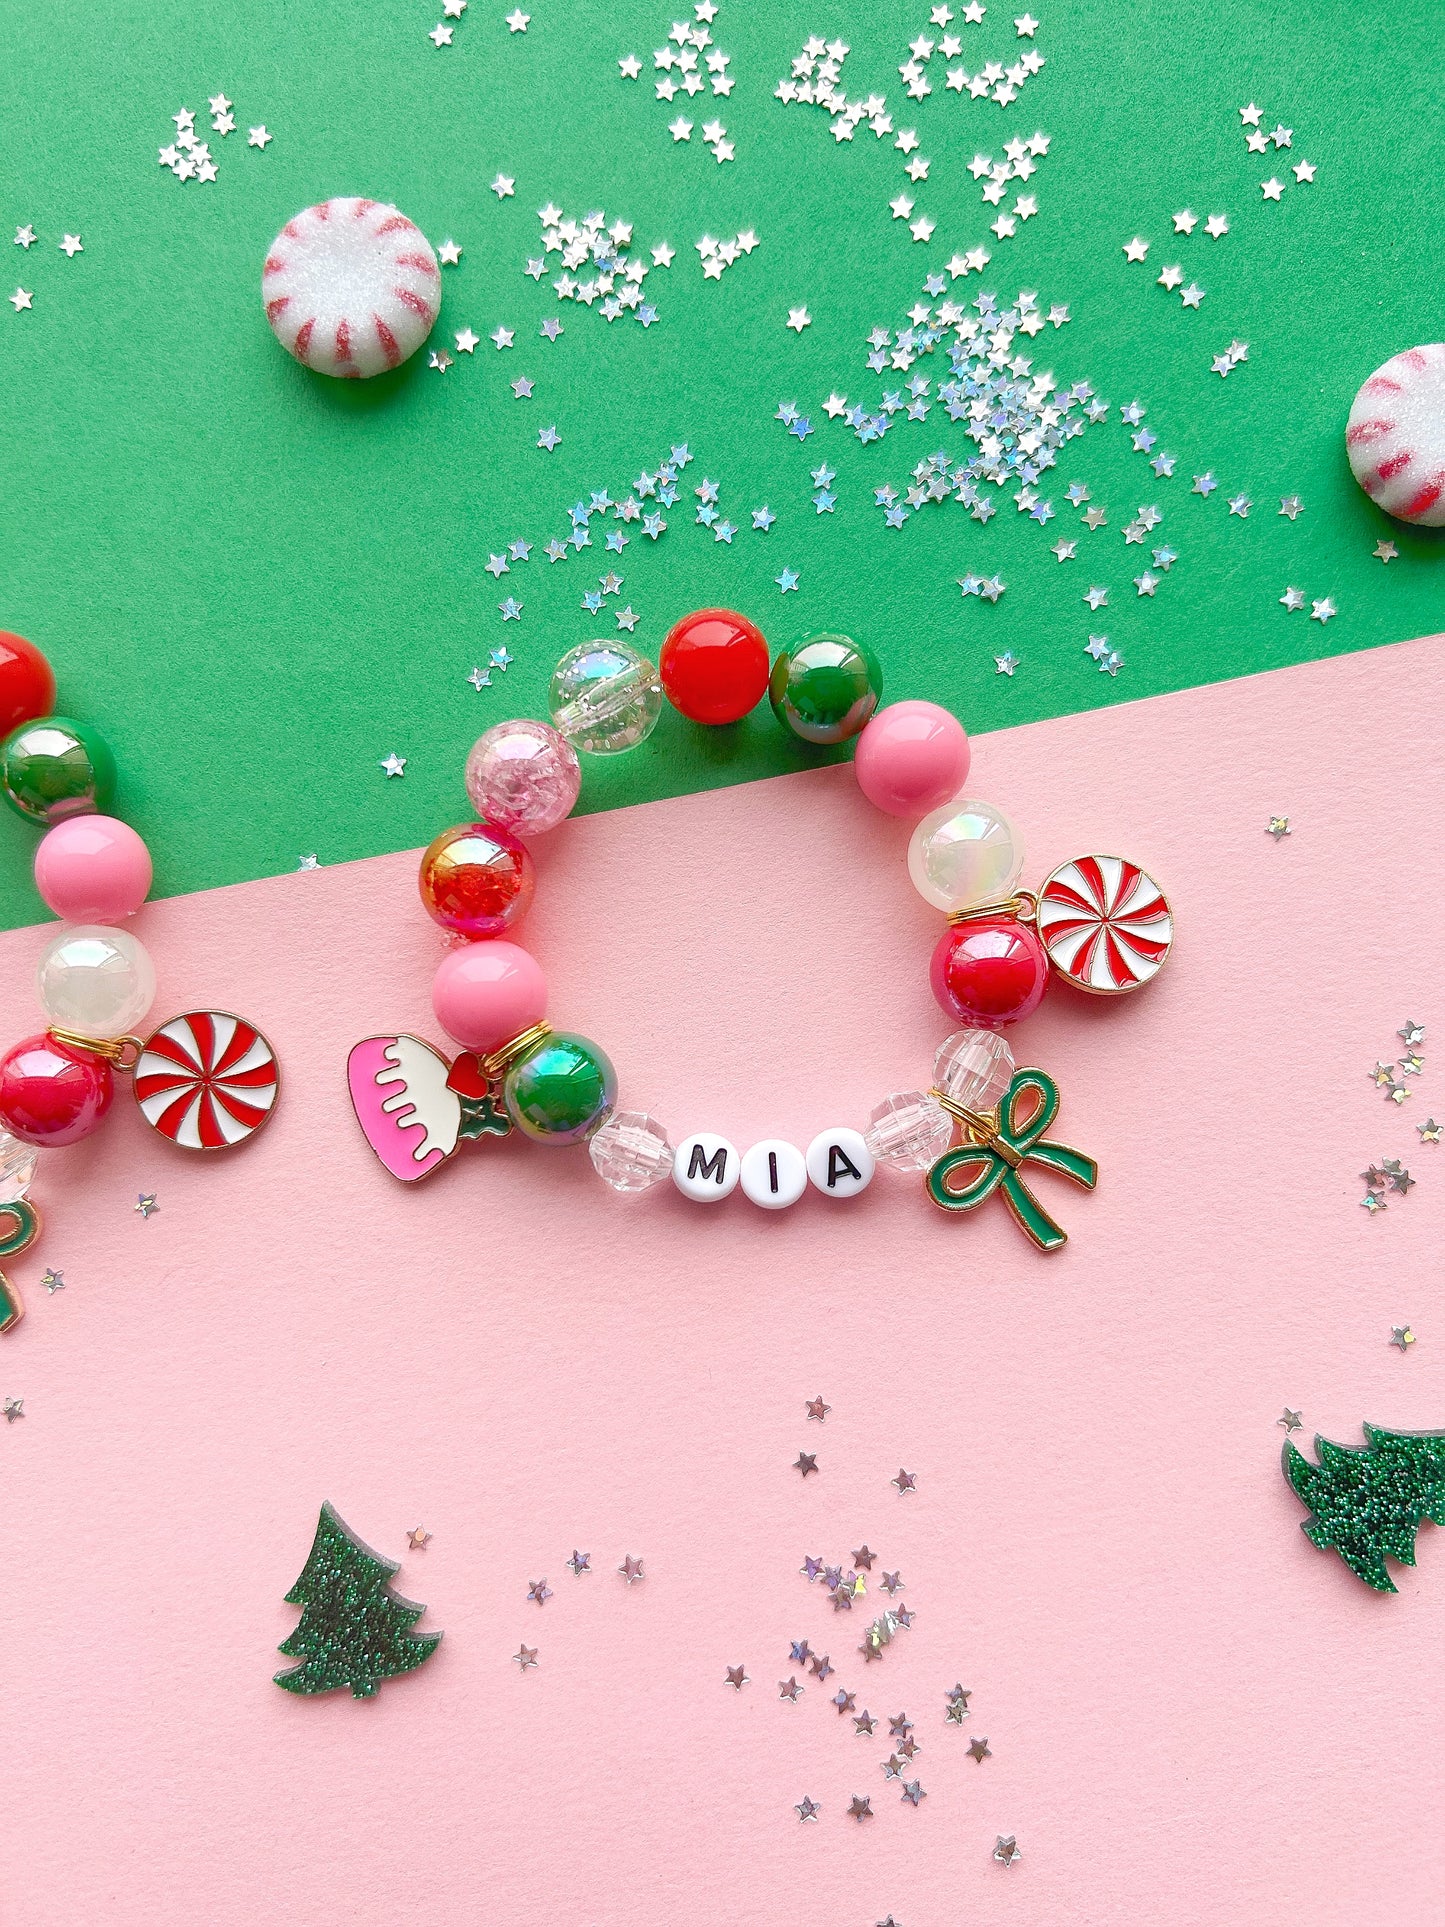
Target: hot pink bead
x,y
523,776
484,993
988,972
93,869
911,758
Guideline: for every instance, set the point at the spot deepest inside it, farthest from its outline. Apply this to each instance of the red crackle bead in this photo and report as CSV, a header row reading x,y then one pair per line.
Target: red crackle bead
x,y
714,666
989,972
476,880
52,1094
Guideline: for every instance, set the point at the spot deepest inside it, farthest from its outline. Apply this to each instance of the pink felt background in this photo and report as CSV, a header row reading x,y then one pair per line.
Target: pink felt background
x,y
1195,1717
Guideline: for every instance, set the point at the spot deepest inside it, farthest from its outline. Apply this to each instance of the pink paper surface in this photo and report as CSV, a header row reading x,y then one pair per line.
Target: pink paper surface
x,y
1194,1715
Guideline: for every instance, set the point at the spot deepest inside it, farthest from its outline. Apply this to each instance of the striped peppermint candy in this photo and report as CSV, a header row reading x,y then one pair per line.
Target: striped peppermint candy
x,y
1396,436
351,287
1105,923
206,1080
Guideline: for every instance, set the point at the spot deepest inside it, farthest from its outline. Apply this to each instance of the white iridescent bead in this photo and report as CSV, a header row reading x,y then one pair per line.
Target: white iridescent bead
x,y
17,1167
963,854
605,697
631,1152
974,1067
909,1131
95,980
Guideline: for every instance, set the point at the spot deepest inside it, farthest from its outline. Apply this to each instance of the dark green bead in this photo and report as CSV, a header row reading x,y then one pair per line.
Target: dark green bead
x,y
561,1091
826,689
56,767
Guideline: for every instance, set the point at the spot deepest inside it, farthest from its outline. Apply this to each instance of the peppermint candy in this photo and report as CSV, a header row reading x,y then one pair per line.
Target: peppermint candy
x,y
206,1080
1105,923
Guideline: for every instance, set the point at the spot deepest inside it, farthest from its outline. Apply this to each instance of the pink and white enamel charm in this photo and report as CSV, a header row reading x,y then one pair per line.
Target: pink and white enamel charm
x,y
351,287
1105,923
407,1111
206,1080
1396,436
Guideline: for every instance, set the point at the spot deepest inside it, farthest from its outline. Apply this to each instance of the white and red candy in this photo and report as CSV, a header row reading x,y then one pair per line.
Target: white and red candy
x,y
351,287
1396,436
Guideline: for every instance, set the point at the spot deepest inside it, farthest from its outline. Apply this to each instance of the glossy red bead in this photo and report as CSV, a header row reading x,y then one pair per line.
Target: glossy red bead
x,y
714,666
51,1094
27,683
990,972
476,880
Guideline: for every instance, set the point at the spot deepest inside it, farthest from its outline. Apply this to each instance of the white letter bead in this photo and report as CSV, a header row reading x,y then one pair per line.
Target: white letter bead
x,y
705,1168
840,1163
774,1173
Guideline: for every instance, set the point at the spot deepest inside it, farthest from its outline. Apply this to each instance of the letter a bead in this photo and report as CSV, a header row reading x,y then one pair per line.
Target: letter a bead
x,y
775,1174
706,1167
840,1163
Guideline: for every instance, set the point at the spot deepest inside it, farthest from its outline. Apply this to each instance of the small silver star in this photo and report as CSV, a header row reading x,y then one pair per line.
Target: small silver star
x,y
53,1281
448,253
418,1538
503,185
25,237
440,360
393,765
805,1463
1290,505
789,1689
1291,1421
798,319
146,1203
1007,1850
14,1408
579,1563
1322,610
736,1678
69,245
1401,1336
467,339
258,137
311,862
1411,1035
906,1481
913,1792
980,1750
480,679
1386,550
1293,599
860,1807
1277,827
22,298
1429,1131
631,1569
1005,664
525,1656
1065,550
808,1809
817,1409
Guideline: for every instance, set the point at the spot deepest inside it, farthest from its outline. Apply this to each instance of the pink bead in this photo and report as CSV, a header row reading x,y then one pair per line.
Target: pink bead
x,y
484,993
911,758
93,869
523,776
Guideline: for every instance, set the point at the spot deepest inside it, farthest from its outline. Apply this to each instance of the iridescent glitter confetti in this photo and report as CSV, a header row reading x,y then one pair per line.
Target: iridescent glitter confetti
x,y
1367,1503
354,1631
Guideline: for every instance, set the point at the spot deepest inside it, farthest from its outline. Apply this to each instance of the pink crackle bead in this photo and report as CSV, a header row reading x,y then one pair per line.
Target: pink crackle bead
x,y
523,776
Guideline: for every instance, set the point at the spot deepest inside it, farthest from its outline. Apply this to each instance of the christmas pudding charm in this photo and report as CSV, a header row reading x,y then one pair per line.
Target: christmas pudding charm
x,y
206,1080
1105,924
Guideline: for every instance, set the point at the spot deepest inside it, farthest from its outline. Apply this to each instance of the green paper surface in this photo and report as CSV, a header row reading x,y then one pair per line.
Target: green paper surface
x,y
260,582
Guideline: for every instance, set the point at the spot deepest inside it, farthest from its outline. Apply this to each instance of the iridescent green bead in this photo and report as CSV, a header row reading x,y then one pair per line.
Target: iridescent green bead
x,y
560,1091
56,767
826,689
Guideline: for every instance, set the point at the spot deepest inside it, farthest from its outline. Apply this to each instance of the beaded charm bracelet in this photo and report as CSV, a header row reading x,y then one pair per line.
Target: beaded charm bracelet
x,y
1100,923
205,1080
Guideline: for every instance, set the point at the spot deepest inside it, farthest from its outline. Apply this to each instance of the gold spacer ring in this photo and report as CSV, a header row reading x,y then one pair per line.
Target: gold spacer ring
x,y
496,1062
123,1052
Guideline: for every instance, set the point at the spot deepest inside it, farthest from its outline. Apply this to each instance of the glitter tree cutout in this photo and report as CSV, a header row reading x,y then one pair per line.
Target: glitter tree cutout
x,y
1367,1502
353,1627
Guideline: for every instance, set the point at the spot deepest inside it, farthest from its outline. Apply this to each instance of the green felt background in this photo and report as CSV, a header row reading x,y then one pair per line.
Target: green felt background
x,y
260,581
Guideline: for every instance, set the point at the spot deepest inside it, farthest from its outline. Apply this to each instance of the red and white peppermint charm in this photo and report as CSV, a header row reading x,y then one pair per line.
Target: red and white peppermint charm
x,y
1396,436
351,287
206,1080
1105,923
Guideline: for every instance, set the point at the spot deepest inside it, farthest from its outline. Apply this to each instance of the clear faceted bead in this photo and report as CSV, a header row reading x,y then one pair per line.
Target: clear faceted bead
x,y
909,1131
631,1151
974,1067
17,1167
605,697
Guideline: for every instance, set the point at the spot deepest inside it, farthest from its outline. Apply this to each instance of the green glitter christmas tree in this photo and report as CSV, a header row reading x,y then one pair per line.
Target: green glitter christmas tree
x,y
1367,1502
353,1627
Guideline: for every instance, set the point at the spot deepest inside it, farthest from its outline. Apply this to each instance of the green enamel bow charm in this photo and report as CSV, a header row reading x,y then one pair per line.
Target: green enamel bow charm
x,y
996,1150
